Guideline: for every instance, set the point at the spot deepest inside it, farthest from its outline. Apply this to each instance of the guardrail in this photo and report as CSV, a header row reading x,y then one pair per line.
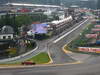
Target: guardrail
x,y
18,57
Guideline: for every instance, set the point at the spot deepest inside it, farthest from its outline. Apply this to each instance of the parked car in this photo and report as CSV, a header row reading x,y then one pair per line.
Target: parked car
x,y
28,63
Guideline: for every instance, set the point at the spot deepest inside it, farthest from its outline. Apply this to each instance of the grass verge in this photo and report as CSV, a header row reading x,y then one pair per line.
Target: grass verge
x,y
41,58
80,41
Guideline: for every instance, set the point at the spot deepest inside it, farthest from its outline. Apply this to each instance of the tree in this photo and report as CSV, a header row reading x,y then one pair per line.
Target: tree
x,y
8,19
23,20
20,20
39,17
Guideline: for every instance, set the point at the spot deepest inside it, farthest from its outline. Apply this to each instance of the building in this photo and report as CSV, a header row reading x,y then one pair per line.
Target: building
x,y
19,5
59,26
6,36
39,28
6,32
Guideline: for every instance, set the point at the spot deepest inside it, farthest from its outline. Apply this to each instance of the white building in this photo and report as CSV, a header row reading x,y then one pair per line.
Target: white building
x,y
6,33
6,36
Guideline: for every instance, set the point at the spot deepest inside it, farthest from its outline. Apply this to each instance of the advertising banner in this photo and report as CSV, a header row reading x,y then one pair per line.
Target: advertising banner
x,y
91,35
38,29
41,28
97,25
95,29
89,49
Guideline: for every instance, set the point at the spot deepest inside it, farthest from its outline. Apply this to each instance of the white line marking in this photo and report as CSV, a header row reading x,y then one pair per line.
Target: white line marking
x,y
69,32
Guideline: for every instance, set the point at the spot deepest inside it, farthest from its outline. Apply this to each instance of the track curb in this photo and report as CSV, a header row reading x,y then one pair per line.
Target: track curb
x,y
51,60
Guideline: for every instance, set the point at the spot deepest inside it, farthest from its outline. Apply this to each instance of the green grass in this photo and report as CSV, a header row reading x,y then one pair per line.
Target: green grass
x,y
81,40
40,58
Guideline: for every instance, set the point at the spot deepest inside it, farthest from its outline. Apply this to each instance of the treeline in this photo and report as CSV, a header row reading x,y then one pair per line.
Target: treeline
x,y
19,20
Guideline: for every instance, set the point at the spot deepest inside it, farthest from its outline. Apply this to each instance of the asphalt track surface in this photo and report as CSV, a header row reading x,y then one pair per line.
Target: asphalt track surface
x,y
90,65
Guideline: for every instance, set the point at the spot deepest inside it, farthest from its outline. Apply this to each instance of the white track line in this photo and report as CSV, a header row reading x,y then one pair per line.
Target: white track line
x,y
69,32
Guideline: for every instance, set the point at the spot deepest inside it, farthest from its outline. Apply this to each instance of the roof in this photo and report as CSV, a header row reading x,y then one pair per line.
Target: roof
x,y
6,30
60,21
23,4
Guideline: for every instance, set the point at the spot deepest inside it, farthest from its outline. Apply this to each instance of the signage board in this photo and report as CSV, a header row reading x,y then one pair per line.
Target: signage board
x,y
91,35
97,25
89,49
95,29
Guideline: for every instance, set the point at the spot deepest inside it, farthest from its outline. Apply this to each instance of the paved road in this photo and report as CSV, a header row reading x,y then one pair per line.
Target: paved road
x,y
58,56
89,68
